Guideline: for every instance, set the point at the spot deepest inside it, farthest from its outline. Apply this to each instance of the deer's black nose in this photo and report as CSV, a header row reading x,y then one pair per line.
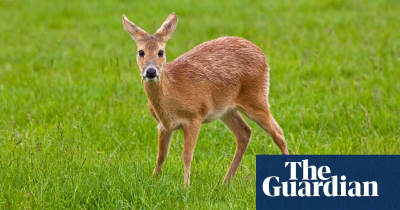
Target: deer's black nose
x,y
151,73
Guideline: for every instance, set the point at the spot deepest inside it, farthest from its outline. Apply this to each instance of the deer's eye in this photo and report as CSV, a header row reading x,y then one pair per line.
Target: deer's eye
x,y
141,53
160,53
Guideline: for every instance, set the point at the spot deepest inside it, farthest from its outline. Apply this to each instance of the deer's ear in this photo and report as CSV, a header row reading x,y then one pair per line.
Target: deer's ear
x,y
135,32
168,27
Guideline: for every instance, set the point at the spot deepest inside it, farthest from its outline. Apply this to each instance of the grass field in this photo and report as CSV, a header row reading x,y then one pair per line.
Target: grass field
x,y
75,131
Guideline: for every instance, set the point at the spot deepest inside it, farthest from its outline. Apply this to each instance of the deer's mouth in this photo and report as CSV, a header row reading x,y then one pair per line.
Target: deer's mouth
x,y
151,80
155,79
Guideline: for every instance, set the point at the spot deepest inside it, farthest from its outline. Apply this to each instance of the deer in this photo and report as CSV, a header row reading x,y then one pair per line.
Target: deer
x,y
218,79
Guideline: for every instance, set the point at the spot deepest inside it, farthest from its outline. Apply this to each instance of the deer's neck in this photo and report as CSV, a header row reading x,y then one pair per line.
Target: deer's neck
x,y
156,92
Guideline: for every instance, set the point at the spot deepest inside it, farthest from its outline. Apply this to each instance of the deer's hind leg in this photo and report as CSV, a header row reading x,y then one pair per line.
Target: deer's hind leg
x,y
242,133
261,114
254,103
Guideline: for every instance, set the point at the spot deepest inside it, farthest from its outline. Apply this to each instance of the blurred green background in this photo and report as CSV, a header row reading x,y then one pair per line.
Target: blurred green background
x,y
75,131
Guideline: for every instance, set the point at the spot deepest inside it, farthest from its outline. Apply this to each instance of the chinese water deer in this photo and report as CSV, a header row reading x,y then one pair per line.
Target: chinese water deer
x,y
214,80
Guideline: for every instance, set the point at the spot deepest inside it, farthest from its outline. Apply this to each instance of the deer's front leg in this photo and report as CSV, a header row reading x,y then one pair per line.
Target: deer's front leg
x,y
164,139
190,133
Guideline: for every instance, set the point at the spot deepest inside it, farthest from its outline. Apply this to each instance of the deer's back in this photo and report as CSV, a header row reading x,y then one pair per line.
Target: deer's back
x,y
219,60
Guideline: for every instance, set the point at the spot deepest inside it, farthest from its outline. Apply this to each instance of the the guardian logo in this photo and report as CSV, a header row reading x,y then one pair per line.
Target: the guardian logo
x,y
316,182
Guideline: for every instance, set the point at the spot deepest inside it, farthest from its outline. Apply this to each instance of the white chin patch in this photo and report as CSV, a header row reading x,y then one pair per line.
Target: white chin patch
x,y
155,79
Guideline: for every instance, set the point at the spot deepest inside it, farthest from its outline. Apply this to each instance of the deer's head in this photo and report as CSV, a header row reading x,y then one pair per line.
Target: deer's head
x,y
150,55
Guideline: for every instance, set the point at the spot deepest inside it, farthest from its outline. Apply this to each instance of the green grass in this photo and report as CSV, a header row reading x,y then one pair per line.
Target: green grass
x,y
91,142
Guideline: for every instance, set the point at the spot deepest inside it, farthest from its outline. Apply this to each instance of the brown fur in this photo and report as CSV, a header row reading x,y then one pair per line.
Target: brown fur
x,y
212,81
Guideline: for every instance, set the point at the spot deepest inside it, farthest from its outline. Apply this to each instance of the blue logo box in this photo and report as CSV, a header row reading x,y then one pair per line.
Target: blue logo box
x,y
328,182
